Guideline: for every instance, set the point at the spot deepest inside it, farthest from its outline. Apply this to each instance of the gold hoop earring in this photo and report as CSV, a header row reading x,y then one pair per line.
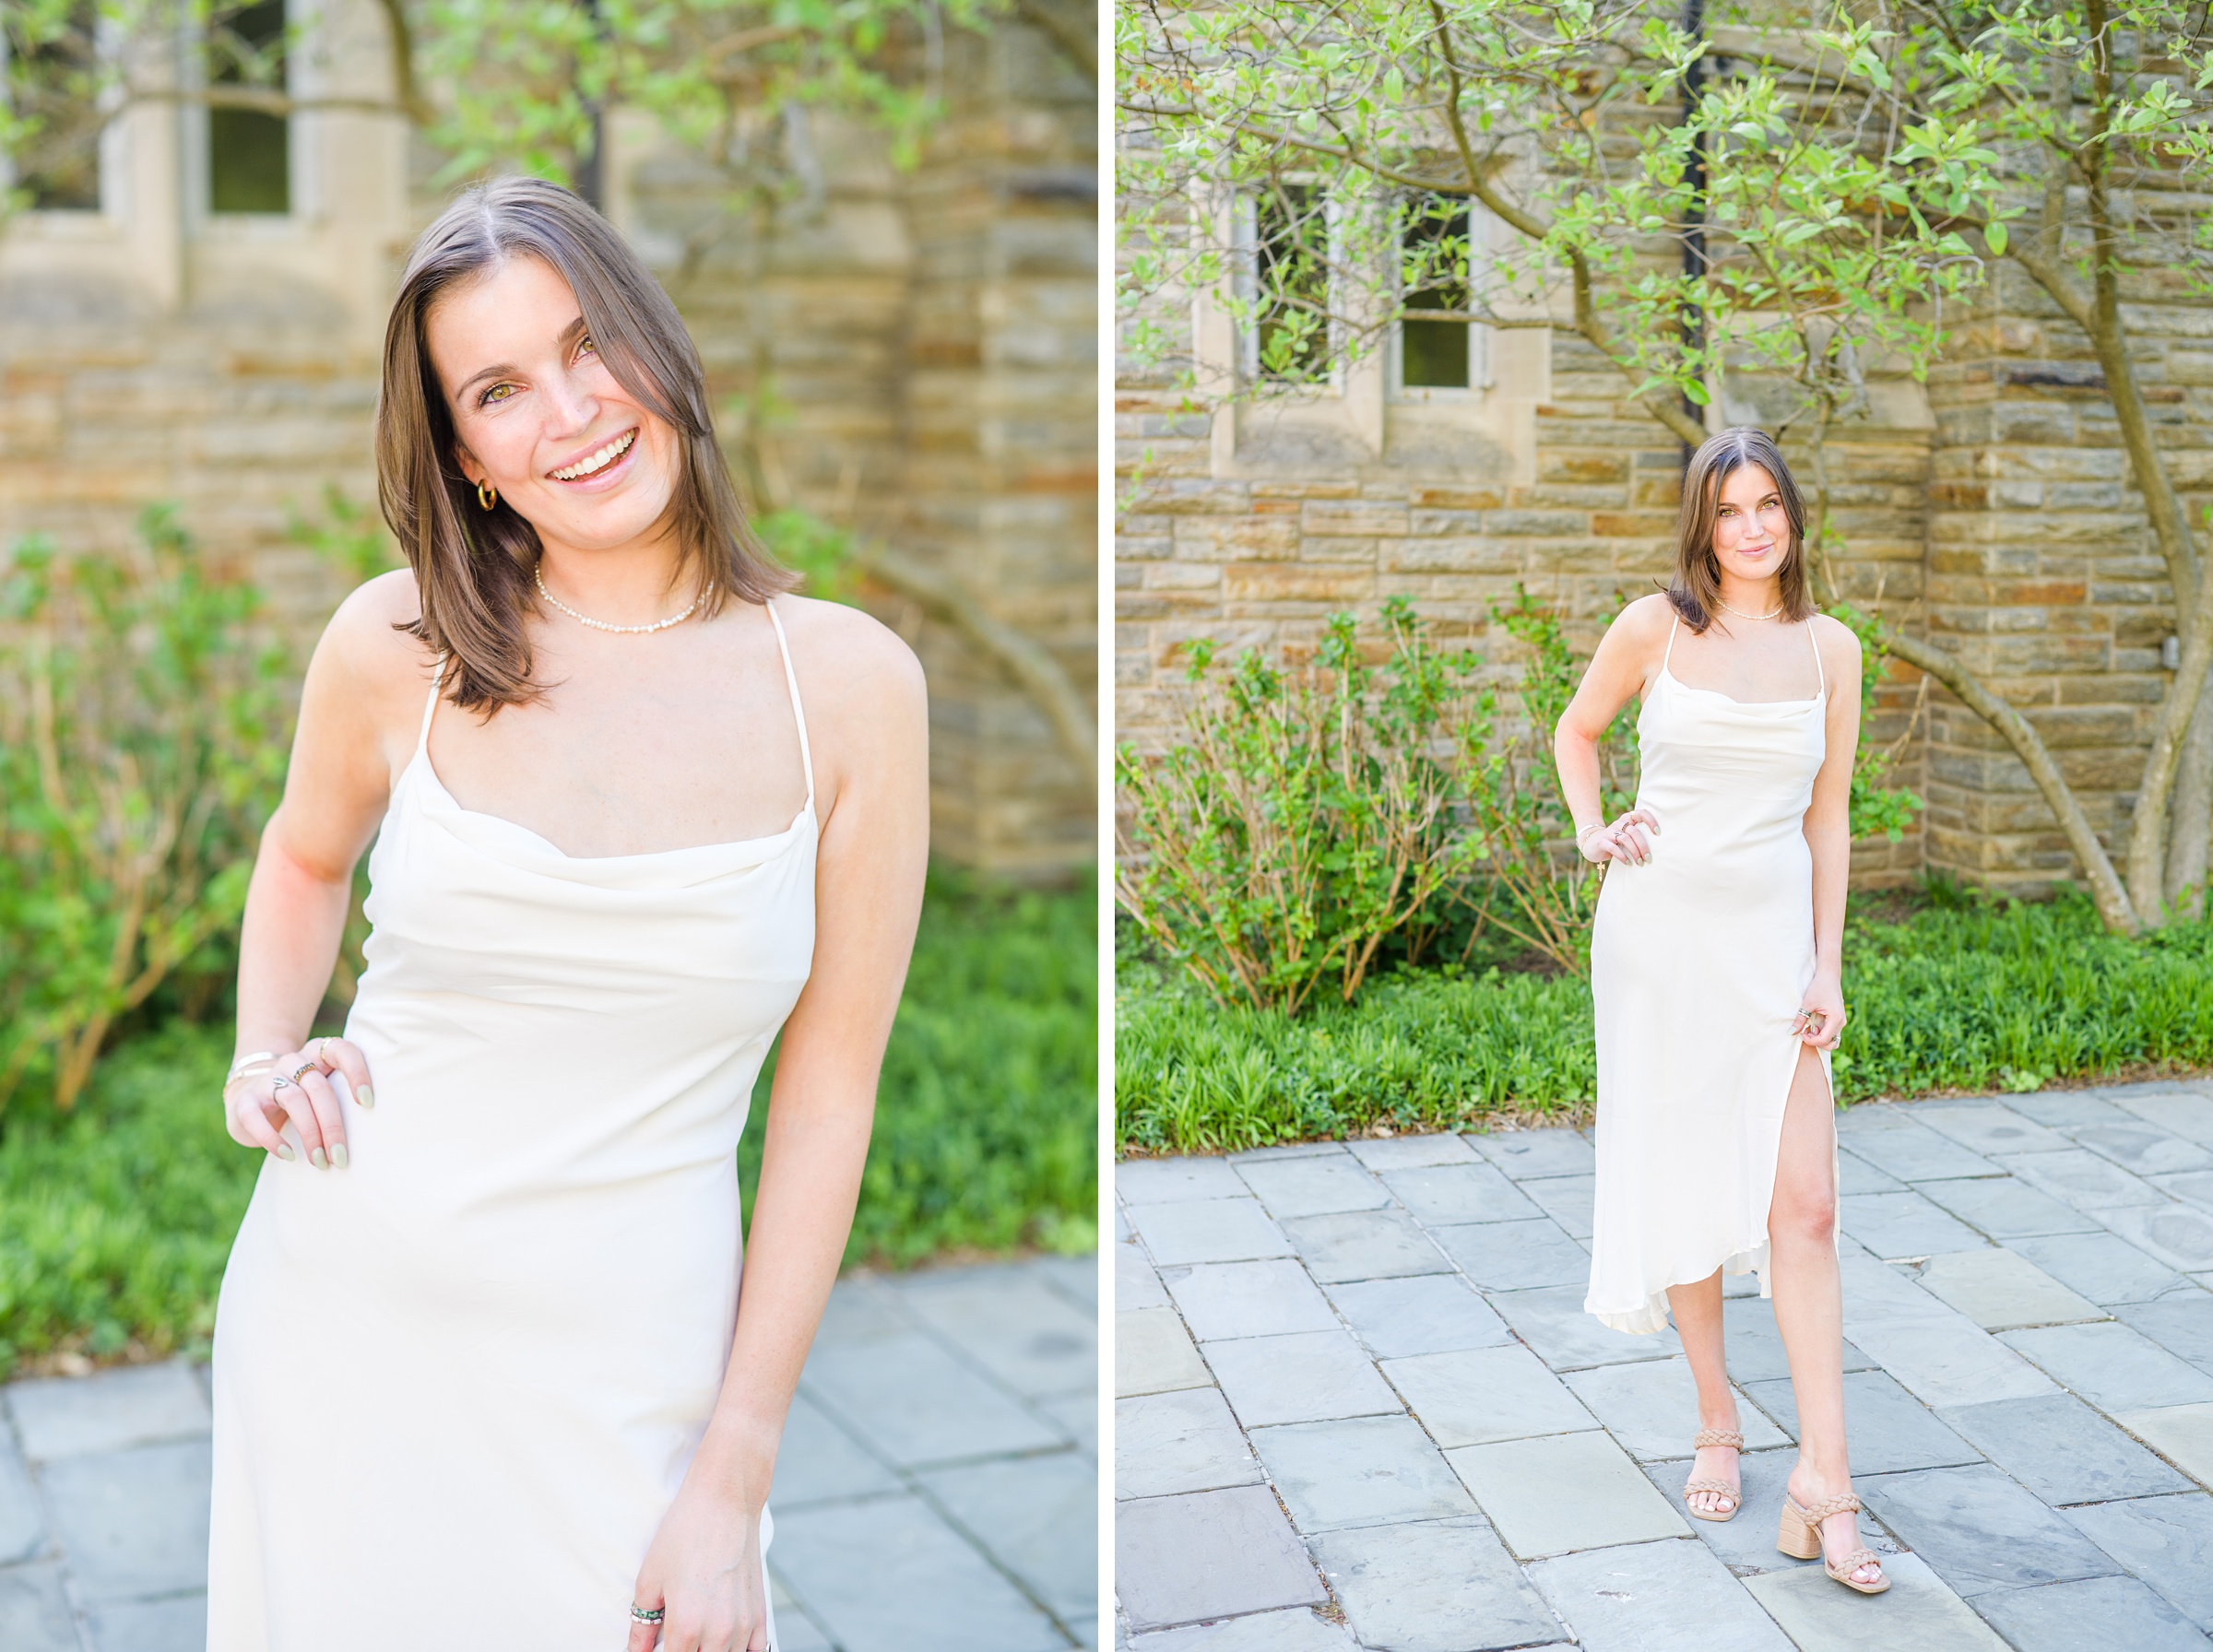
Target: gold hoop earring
x,y
487,495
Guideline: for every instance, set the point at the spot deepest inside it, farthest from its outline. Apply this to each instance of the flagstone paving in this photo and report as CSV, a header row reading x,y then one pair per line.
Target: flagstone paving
x,y
1359,1406
937,1489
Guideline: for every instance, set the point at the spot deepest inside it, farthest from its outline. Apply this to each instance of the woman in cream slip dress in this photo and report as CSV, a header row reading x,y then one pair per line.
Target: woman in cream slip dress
x,y
483,1373
1714,970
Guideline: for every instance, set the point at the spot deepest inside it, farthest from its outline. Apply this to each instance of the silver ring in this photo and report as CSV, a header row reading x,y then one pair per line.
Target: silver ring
x,y
280,1083
645,1615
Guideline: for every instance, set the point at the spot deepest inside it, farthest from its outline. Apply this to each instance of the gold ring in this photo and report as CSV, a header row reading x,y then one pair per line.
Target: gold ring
x,y
305,1067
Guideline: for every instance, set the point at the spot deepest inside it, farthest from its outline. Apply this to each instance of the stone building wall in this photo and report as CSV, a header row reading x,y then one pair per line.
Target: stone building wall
x,y
2042,573
1262,560
1991,511
930,339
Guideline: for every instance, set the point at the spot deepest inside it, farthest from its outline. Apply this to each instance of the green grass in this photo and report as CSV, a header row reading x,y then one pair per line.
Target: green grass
x,y
1963,995
987,1121
115,1221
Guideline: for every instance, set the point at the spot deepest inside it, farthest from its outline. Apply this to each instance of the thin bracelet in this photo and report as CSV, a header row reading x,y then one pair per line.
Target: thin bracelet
x,y
239,1065
1587,831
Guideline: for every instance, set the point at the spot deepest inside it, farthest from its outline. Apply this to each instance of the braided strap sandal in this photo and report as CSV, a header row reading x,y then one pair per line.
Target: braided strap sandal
x,y
1800,1538
1720,1488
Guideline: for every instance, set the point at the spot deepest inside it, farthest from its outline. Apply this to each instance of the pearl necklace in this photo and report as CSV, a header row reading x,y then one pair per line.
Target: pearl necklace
x,y
538,574
1717,596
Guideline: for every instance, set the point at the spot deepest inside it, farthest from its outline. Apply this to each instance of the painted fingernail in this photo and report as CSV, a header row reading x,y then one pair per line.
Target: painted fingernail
x,y
366,1096
337,1155
284,1151
316,1159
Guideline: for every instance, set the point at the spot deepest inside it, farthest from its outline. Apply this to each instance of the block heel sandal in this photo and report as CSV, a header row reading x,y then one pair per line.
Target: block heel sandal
x,y
1800,1538
1720,1488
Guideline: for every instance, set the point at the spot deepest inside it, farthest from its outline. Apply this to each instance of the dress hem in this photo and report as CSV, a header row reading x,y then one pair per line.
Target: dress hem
x,y
1650,1317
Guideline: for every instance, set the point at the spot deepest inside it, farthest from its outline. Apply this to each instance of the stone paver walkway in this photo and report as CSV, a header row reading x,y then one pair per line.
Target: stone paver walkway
x,y
1360,1403
937,1488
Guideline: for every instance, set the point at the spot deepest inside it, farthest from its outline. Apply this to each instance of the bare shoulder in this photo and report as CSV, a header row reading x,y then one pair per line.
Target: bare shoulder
x,y
1839,644
850,663
1642,625
364,648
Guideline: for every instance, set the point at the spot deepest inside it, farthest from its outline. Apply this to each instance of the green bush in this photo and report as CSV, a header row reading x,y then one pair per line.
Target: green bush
x,y
1962,995
142,742
115,1219
1305,814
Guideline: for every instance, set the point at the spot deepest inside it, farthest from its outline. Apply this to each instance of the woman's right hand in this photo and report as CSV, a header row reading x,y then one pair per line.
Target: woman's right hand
x,y
1628,839
256,1107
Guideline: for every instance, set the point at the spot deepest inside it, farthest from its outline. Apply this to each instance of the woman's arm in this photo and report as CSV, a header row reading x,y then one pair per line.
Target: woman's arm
x,y
335,791
1617,673
870,735
1829,827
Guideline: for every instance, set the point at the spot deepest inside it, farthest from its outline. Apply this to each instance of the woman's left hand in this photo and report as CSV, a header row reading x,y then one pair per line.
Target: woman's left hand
x,y
1821,1014
703,1572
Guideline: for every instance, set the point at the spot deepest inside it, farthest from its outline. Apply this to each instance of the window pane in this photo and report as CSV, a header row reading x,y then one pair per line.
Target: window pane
x,y
249,151
1433,355
52,82
1292,277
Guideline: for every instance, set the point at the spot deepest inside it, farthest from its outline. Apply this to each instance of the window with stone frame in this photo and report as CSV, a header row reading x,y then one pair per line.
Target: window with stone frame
x,y
249,150
1436,253
1283,276
52,88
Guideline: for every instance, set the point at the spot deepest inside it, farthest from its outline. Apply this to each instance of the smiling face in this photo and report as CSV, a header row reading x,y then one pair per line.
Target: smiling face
x,y
537,415
1751,529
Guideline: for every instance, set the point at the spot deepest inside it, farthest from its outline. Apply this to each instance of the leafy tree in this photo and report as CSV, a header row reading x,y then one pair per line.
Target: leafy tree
x,y
1808,201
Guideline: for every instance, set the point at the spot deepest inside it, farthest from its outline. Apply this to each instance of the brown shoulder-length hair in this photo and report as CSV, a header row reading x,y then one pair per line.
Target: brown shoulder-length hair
x,y
473,567
1695,590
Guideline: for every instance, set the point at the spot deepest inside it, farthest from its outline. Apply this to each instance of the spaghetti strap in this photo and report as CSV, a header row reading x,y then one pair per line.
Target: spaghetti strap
x,y
798,712
1668,652
1820,676
422,741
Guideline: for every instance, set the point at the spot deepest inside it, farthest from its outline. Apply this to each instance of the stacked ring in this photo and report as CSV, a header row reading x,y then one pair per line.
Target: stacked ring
x,y
646,1614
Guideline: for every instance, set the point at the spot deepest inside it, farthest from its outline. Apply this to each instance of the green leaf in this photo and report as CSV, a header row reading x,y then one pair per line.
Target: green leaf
x,y
1994,236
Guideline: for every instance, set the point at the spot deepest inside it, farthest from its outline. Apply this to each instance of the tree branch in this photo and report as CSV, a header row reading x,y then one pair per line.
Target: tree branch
x,y
403,89
264,103
1077,45
2106,892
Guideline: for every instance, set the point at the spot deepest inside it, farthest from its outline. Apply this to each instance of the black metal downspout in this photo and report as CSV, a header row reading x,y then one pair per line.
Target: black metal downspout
x,y
591,167
1694,217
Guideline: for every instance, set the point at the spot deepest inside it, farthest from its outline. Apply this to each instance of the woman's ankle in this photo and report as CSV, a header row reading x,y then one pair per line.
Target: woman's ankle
x,y
1817,1480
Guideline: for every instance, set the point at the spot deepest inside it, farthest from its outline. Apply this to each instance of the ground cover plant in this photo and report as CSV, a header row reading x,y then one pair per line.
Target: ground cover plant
x,y
1952,991
115,1219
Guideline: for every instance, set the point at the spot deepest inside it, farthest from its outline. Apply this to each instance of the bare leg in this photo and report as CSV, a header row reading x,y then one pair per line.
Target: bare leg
x,y
1809,1305
1697,1314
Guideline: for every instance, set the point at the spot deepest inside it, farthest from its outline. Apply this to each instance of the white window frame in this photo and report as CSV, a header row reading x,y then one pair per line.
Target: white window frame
x,y
303,78
1245,231
109,165
1479,341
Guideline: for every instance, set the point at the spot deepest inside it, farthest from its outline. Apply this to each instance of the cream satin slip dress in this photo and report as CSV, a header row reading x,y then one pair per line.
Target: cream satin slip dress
x,y
1699,959
457,1384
